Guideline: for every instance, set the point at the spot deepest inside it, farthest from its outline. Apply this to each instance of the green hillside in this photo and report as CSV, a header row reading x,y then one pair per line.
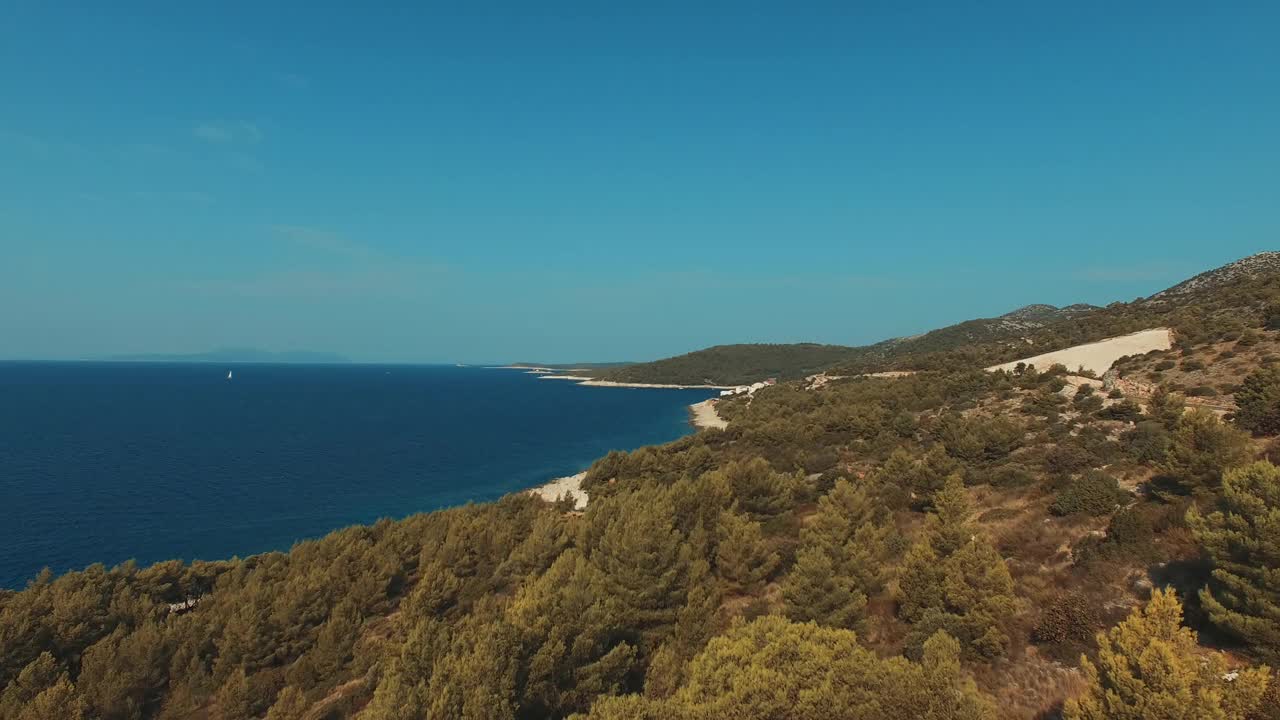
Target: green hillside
x,y
1214,303
735,364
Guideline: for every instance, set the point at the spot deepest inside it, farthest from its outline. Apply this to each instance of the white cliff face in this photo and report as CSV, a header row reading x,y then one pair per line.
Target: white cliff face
x,y
1098,356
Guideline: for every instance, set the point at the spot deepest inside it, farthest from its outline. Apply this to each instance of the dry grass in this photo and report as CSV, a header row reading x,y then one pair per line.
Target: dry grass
x,y
1031,687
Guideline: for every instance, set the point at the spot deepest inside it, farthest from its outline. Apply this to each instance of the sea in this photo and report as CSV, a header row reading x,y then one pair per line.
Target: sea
x,y
106,462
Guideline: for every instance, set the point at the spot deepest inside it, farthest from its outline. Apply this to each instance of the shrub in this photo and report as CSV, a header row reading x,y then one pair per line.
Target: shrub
x,y
1259,401
1149,666
1115,394
1271,317
1240,538
1130,527
1203,448
1202,391
1012,476
1088,403
1124,411
1192,365
1147,442
1093,493
1070,617
1068,458
1165,365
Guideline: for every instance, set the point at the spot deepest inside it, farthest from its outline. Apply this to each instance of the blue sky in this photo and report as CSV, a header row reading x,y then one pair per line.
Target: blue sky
x,y
568,181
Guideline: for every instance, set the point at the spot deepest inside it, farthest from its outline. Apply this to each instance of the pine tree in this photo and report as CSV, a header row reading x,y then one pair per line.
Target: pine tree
x,y
1258,400
332,651
950,527
756,487
124,675
476,679
399,696
39,675
1203,449
742,558
1242,539
954,580
815,591
931,473
643,561
233,699
920,582
695,625
978,592
851,528
1150,668
60,701
895,478
1166,408
291,704
571,642
771,668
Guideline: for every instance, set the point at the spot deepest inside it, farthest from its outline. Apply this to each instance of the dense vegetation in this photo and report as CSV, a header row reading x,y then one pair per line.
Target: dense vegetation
x,y
943,545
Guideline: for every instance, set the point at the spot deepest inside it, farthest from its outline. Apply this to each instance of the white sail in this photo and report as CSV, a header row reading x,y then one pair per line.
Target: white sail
x,y
228,374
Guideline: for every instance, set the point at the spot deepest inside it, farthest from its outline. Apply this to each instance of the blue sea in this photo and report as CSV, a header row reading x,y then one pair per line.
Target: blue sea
x,y
103,462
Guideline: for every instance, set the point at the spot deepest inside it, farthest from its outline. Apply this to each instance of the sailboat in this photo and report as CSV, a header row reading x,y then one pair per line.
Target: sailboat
x,y
228,374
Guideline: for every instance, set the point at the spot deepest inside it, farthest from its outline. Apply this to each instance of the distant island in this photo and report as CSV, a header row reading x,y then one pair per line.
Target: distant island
x,y
238,355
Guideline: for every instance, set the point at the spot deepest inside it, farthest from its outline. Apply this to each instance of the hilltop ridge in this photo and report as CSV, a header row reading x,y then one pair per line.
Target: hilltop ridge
x,y
1230,291
1245,268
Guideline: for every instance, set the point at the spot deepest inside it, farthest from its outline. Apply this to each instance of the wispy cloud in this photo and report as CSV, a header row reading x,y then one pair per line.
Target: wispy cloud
x,y
194,197
374,282
330,264
36,145
244,161
326,241
291,80
227,133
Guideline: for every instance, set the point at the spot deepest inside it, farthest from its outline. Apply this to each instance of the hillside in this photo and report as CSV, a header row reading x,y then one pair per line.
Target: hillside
x,y
948,544
734,364
1209,304
1249,268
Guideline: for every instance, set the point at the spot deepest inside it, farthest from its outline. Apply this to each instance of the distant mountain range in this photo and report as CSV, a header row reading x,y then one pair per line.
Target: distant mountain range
x,y
1236,290
238,355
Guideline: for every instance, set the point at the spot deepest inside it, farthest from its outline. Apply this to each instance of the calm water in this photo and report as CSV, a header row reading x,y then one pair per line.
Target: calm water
x,y
106,462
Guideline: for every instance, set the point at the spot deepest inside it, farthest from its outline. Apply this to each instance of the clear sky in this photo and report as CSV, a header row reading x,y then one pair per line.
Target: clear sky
x,y
562,181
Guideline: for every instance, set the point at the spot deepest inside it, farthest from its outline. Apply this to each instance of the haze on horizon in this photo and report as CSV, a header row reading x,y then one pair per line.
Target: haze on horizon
x,y
577,182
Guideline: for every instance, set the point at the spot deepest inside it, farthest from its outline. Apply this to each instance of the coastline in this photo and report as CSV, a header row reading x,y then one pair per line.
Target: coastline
x,y
557,488
705,415
702,414
665,386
